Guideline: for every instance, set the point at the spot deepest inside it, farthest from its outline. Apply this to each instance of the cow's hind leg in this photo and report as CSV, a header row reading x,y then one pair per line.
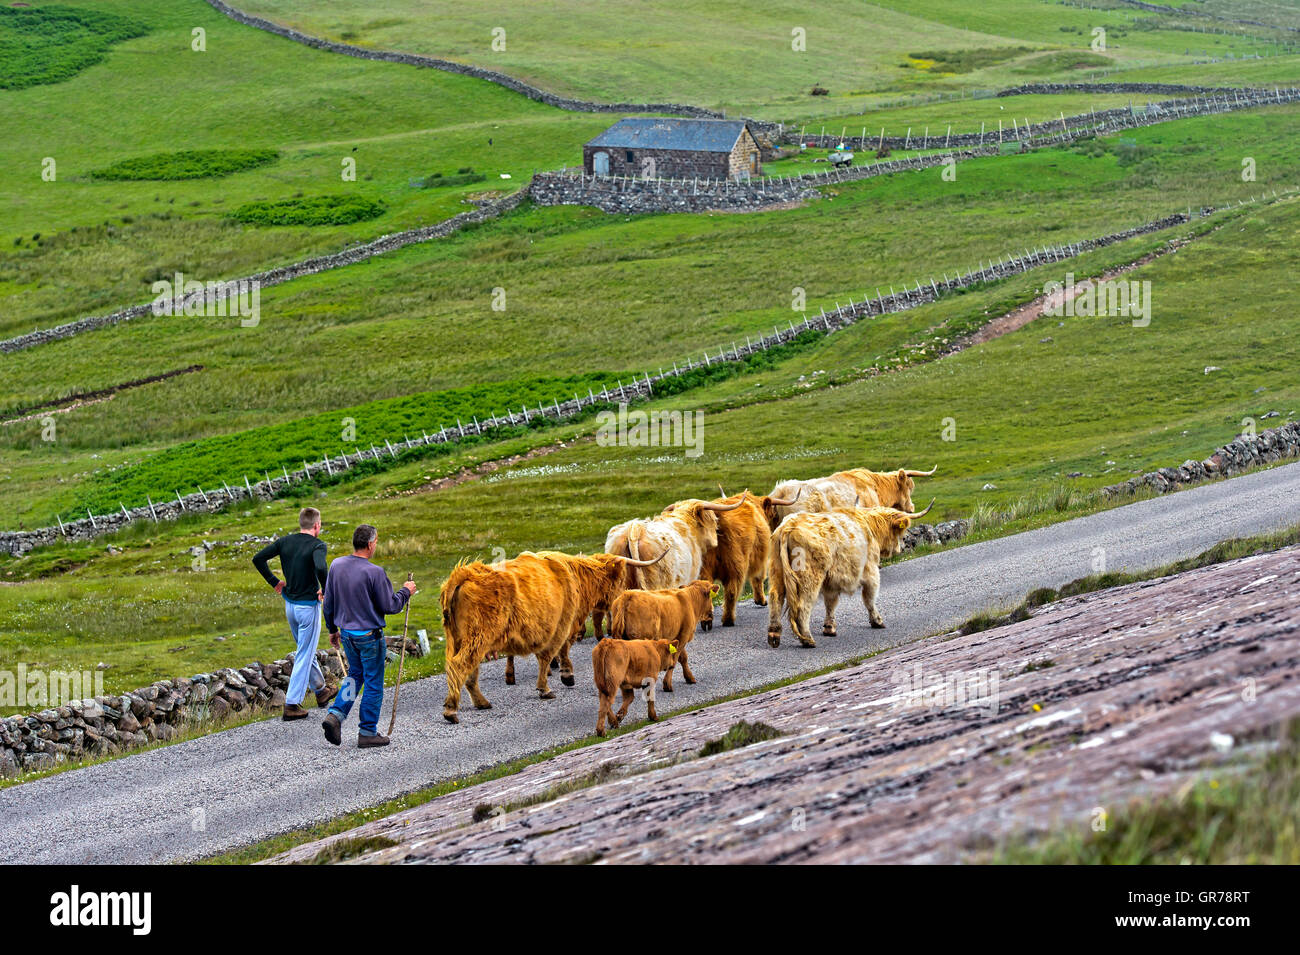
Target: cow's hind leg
x,y
775,599
604,710
650,701
566,664
510,671
475,694
687,675
730,595
544,671
756,585
830,600
800,617
458,668
628,696
870,590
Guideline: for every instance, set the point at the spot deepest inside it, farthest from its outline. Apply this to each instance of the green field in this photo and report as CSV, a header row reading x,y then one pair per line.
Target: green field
x,y
1027,413
83,244
567,269
696,52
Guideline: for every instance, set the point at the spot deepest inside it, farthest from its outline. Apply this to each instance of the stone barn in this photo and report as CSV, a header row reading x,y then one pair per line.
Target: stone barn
x,y
674,149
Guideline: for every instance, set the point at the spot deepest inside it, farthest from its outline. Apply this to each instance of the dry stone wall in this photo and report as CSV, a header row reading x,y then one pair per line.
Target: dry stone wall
x,y
106,725
1246,452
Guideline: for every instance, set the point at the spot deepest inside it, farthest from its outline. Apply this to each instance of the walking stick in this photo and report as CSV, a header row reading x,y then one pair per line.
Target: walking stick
x,y
402,661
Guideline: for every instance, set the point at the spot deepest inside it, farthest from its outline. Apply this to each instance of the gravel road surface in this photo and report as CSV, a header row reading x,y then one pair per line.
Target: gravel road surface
x,y
221,791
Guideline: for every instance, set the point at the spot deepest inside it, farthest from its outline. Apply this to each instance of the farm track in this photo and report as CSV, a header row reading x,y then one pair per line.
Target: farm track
x,y
270,777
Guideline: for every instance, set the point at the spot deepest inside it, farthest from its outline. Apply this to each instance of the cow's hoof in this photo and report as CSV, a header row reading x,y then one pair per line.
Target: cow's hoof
x,y
548,695
760,602
773,639
828,630
706,626
450,716
690,680
667,689
567,680
810,644
878,624
510,679
600,732
485,705
555,664
728,623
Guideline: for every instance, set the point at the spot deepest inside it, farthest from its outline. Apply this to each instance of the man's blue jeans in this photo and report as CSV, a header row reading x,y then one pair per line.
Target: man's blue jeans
x,y
366,656
304,624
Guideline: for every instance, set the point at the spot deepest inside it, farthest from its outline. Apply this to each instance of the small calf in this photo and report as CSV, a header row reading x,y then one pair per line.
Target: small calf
x,y
664,615
626,665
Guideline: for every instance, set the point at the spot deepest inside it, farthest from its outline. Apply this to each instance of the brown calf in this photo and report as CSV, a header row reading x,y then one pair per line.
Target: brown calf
x,y
664,615
626,665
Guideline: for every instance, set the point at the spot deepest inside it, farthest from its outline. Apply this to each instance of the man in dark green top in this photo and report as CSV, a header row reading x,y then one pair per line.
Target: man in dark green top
x,y
302,561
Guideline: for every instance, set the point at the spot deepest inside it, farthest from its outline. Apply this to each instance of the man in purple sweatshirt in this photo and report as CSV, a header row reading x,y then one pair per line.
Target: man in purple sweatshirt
x,y
358,595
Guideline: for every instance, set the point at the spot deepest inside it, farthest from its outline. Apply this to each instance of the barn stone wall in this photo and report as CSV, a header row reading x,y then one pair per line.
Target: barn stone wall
x,y
677,163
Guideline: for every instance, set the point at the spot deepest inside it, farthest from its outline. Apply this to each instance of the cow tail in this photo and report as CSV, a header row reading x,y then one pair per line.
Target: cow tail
x,y
634,549
789,578
449,622
618,619
598,653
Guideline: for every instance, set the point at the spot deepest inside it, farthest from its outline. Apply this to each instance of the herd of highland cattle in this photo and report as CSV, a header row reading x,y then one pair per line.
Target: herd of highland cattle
x,y
657,579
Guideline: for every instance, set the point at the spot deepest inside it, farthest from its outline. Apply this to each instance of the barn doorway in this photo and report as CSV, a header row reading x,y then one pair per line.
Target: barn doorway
x,y
600,164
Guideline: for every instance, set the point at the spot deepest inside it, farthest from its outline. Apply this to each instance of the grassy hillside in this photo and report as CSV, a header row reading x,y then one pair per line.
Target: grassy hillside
x,y
691,51
83,243
1097,396
424,316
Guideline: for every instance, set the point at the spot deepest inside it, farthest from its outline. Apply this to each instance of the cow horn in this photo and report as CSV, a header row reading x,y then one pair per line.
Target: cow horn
x,y
928,473
643,563
916,514
777,502
710,506
721,491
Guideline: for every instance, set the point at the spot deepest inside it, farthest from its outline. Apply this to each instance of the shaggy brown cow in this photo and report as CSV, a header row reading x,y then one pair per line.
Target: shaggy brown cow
x,y
839,490
531,604
832,554
883,488
664,614
626,665
682,535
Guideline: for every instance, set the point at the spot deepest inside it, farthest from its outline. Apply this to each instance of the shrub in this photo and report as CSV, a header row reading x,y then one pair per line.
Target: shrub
x,y
54,43
188,164
311,210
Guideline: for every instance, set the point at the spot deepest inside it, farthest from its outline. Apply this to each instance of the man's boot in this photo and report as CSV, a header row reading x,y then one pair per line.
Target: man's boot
x,y
332,729
292,711
325,694
365,742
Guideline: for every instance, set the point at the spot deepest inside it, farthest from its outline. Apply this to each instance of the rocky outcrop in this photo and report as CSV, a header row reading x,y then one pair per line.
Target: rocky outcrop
x,y
1242,454
935,751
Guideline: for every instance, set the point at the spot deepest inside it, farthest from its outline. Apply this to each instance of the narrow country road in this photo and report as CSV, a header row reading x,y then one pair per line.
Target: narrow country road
x,y
211,794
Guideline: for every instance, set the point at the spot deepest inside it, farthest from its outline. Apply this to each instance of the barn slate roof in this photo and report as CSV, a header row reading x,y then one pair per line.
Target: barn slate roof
x,y
693,135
